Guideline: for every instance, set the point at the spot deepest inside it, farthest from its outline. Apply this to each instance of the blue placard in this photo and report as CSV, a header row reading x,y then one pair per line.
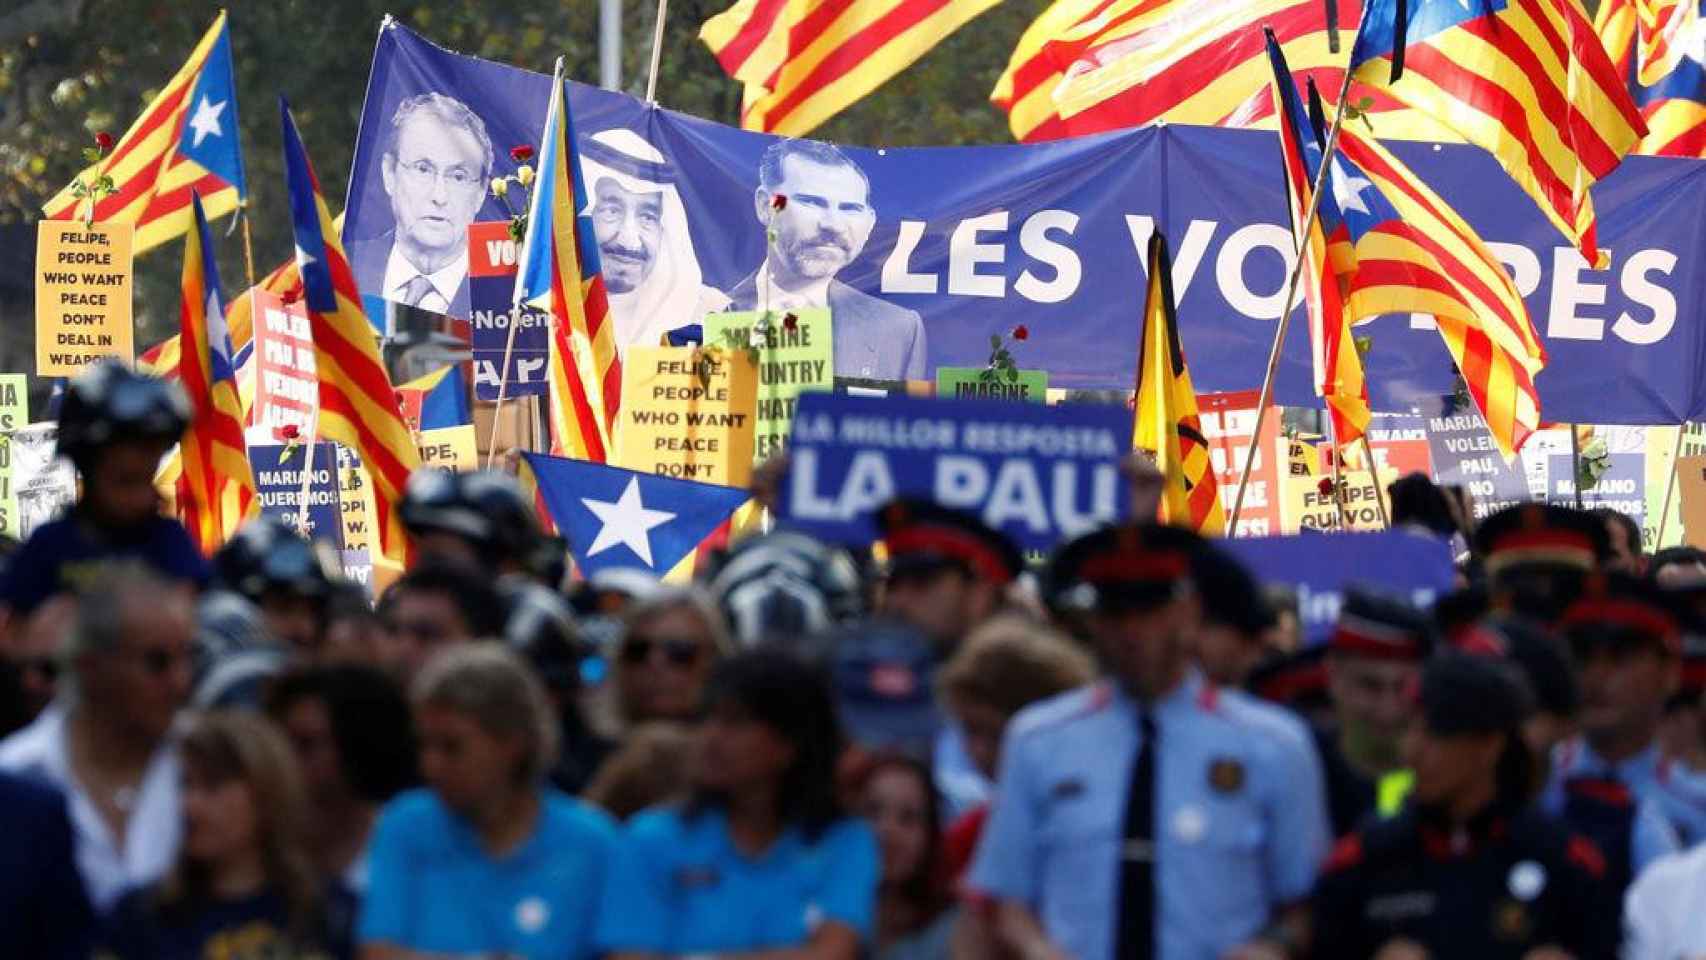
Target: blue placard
x,y
1623,486
1321,566
278,487
1040,474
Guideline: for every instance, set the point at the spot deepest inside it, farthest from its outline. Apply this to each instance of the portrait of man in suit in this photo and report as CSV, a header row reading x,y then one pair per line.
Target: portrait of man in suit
x,y
436,165
821,225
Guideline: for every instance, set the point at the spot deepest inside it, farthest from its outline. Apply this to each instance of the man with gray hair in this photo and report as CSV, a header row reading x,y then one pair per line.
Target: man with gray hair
x,y
437,162
105,742
817,204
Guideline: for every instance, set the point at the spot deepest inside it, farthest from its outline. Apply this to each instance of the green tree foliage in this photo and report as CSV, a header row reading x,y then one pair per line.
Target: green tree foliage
x,y
69,68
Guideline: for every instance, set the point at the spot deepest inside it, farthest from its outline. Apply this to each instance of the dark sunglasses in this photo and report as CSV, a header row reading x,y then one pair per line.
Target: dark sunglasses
x,y
679,652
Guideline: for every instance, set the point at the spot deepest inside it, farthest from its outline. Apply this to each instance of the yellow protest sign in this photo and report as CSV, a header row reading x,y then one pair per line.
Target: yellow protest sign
x,y
1305,507
449,448
83,289
355,504
688,413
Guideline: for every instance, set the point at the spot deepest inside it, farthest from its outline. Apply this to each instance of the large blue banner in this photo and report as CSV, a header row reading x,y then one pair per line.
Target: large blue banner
x,y
1041,474
923,253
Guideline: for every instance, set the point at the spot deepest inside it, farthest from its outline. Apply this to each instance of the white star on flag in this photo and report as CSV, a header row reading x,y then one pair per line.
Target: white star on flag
x,y
206,120
625,522
1347,190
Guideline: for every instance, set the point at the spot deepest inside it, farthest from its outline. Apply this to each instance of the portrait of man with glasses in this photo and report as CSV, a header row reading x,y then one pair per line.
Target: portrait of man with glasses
x,y
437,162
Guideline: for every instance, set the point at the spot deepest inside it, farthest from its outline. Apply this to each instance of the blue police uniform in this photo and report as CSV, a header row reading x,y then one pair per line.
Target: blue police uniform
x,y
1240,817
679,885
1651,819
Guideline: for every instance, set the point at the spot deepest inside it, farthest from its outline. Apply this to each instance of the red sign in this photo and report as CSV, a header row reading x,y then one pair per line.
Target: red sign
x,y
287,392
1229,423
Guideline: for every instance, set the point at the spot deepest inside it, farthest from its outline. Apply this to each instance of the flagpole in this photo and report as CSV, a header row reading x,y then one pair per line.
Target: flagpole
x,y
1333,466
657,53
1374,474
1670,485
1576,464
307,481
503,381
1290,302
248,244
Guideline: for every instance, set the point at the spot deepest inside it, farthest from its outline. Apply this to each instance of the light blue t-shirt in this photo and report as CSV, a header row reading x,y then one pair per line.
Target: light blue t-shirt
x,y
680,886
431,887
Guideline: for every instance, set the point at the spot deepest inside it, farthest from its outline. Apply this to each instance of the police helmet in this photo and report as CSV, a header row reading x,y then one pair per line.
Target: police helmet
x,y
785,584
110,403
266,556
485,508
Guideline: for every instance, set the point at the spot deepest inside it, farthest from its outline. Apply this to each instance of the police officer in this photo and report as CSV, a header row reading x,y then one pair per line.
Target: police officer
x,y
1535,556
1374,659
288,579
1151,814
1609,782
1236,618
476,520
1469,868
114,425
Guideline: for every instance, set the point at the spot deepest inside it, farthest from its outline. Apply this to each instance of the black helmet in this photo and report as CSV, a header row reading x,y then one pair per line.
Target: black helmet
x,y
111,402
266,556
540,626
485,508
786,585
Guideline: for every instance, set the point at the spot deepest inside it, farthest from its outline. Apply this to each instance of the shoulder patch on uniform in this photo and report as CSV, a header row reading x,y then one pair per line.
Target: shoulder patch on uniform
x,y
1346,854
1208,698
1581,852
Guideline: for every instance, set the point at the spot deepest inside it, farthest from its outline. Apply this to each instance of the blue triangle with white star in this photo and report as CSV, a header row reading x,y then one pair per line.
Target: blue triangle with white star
x,y
210,125
614,518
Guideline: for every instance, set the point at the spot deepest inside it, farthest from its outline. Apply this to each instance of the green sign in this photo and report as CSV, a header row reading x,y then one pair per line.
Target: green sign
x,y
970,382
14,401
14,413
793,357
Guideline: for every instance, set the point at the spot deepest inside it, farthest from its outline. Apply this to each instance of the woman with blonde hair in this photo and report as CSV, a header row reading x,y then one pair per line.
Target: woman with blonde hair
x,y
244,883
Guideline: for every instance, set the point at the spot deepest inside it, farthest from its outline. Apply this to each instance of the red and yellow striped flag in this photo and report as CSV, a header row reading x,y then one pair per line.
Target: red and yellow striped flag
x,y
1167,422
358,406
804,61
185,142
216,489
1665,77
1527,80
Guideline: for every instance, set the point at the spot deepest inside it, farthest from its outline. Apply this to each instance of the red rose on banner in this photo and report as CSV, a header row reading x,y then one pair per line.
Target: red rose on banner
x,y
521,153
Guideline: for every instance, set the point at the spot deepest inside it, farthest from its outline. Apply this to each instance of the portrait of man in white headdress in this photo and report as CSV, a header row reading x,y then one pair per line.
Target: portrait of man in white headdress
x,y
651,272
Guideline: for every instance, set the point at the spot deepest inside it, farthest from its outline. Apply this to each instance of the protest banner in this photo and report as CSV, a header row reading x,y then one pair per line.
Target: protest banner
x,y
970,242
1664,446
14,401
1306,507
449,448
1227,422
1465,454
1400,444
1040,473
279,488
1622,487
84,274
355,515
970,383
1691,491
1321,566
287,386
43,482
676,424
789,362
491,294
9,520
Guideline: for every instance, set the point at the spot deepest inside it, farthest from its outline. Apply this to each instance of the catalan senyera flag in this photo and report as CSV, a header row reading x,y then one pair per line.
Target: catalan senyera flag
x,y
1167,423
1528,80
1664,69
358,407
184,142
804,61
216,489
1415,254
1338,367
559,272
1085,66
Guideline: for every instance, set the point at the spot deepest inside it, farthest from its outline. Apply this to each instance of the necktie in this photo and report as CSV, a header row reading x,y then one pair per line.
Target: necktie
x,y
1137,859
416,290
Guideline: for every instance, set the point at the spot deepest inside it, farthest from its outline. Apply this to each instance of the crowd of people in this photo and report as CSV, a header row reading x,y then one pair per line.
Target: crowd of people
x,y
933,749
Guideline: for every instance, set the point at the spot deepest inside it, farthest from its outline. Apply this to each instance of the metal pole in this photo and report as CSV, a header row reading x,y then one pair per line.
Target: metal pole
x,y
657,53
1670,485
1290,299
610,44
1379,494
1576,464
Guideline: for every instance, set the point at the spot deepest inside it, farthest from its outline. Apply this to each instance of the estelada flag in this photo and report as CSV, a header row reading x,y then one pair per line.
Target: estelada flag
x,y
184,143
1167,424
358,406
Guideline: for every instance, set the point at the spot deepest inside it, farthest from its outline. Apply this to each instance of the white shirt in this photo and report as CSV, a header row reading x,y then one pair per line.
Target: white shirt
x,y
1662,919
152,833
446,280
773,297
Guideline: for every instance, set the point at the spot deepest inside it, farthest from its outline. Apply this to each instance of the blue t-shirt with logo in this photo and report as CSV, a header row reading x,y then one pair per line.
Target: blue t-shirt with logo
x,y
433,888
681,886
65,555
